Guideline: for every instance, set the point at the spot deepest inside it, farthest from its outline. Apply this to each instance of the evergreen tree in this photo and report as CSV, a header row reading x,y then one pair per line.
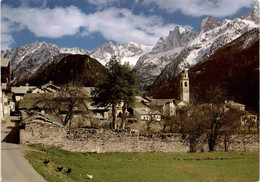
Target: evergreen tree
x,y
118,85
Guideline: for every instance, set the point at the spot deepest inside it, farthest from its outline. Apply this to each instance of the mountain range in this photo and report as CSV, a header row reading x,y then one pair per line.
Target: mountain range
x,y
232,72
194,47
28,59
157,65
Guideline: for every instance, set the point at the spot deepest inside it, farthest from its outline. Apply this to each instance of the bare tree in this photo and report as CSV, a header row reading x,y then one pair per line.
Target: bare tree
x,y
231,124
65,103
194,124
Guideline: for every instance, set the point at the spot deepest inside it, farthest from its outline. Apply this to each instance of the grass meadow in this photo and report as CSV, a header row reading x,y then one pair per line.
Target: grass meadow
x,y
145,167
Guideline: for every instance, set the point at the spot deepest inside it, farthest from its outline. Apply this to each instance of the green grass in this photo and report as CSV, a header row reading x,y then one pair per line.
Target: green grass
x,y
142,167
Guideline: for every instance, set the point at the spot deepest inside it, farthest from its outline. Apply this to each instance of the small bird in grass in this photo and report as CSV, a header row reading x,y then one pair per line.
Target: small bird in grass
x,y
59,168
69,170
89,176
46,161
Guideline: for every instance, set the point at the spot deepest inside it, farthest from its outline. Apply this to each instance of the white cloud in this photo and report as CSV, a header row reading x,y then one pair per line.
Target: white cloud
x,y
102,2
120,25
6,39
46,22
217,8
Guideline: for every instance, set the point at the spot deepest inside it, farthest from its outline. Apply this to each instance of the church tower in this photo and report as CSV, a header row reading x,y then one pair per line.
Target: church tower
x,y
185,86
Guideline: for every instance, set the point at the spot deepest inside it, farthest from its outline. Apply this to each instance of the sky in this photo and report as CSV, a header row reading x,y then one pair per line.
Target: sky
x,y
90,23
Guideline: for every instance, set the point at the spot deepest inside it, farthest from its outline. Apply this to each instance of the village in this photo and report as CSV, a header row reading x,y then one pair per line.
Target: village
x,y
48,104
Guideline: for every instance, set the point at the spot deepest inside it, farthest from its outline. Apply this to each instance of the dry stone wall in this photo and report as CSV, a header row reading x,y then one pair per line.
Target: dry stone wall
x,y
105,140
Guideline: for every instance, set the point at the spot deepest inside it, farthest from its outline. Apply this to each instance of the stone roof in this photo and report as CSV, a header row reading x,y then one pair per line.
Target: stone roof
x,y
21,89
50,85
181,103
91,107
160,102
143,109
235,104
38,118
5,62
33,100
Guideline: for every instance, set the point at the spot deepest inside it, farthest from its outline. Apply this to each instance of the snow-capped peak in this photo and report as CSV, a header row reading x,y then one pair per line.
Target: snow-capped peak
x,y
184,48
129,52
74,50
253,15
179,37
208,23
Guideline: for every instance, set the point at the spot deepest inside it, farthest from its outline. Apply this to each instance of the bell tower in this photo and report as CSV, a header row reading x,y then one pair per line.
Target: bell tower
x,y
185,86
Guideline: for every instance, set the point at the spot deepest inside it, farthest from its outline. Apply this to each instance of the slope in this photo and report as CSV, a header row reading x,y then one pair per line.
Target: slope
x,y
67,68
232,69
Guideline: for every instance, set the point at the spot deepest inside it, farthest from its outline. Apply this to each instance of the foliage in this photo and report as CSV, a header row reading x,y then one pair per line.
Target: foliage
x,y
118,85
134,167
212,120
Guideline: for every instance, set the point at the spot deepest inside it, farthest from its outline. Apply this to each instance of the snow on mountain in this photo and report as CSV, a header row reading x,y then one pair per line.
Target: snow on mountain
x,y
125,53
195,47
26,60
208,24
212,36
74,50
150,65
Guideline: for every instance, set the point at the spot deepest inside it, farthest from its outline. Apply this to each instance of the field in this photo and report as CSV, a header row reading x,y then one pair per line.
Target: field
x,y
145,167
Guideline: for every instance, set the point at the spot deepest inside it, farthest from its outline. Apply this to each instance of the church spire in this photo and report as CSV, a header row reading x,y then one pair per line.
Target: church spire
x,y
185,86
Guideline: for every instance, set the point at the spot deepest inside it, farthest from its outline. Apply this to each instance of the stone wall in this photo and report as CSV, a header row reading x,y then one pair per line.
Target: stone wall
x,y
105,140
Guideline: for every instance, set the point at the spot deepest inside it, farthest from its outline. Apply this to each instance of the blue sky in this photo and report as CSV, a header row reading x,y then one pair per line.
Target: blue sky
x,y
90,23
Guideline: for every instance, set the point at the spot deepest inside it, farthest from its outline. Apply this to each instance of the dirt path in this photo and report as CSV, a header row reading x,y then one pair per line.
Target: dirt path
x,y
14,167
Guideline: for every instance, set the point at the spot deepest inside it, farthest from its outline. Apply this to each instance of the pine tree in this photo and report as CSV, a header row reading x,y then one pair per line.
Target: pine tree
x,y
118,85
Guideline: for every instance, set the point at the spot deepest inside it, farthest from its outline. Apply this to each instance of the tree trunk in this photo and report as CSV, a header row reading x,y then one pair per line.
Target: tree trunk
x,y
192,143
211,142
70,124
67,118
226,142
114,115
123,116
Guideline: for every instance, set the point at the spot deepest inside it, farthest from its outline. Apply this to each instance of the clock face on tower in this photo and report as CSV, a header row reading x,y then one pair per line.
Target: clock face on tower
x,y
186,91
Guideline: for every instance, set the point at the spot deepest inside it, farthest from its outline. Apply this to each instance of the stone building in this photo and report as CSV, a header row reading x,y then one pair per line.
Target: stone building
x,y
184,86
163,107
7,105
143,112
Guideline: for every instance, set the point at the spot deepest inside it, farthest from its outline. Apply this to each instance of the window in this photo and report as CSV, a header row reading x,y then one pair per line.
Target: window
x,y
186,84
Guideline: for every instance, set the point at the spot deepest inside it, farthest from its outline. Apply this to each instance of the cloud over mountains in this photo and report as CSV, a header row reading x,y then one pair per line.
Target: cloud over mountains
x,y
112,19
120,25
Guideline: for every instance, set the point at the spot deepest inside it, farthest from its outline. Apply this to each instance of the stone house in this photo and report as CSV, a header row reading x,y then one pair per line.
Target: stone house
x,y
143,112
20,91
6,73
101,113
50,87
7,104
165,106
235,105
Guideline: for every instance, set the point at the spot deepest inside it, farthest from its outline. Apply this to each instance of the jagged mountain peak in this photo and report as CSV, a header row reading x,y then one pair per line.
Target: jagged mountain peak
x,y
182,49
132,43
208,24
179,37
253,15
129,52
178,30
